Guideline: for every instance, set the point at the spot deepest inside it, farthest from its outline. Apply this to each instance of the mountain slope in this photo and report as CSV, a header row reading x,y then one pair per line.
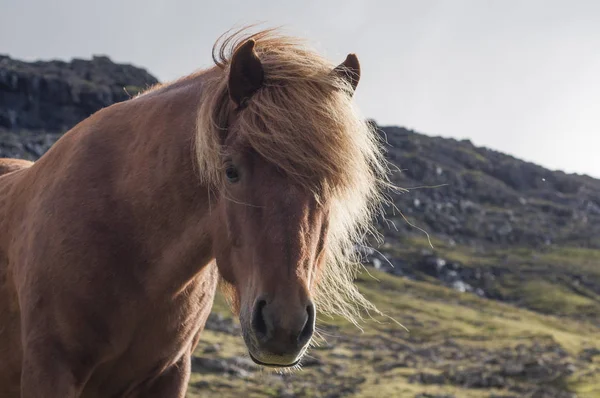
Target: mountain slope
x,y
41,100
492,197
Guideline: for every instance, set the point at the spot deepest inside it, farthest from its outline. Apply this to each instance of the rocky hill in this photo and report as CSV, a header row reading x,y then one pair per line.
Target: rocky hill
x,y
484,196
41,100
501,299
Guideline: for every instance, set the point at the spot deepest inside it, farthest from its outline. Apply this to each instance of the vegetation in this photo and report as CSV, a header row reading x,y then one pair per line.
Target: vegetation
x,y
457,344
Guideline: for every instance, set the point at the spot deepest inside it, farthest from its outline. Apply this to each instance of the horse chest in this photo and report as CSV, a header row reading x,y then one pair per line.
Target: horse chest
x,y
170,327
167,331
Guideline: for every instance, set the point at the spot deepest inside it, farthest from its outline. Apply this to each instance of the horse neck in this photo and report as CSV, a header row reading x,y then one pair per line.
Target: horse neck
x,y
130,168
139,157
175,218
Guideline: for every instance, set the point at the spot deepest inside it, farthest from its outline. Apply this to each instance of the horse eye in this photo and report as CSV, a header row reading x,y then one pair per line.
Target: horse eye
x,y
232,174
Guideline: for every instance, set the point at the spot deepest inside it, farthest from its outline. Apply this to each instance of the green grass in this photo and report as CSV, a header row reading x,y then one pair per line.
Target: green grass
x,y
546,308
466,315
549,297
586,383
586,261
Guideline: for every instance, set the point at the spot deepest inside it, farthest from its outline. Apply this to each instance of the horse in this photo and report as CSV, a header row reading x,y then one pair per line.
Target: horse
x,y
256,174
10,165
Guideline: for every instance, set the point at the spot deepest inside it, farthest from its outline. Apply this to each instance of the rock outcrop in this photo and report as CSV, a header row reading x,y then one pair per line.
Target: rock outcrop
x,y
39,101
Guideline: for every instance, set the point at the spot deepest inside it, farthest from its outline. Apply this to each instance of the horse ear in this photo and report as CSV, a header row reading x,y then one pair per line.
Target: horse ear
x,y
246,73
349,70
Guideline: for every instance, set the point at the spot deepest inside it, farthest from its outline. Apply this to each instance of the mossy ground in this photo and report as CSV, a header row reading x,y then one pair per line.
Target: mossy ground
x,y
450,333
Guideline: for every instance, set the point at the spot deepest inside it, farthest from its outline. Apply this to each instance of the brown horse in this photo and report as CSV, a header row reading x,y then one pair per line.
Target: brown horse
x,y
10,165
256,171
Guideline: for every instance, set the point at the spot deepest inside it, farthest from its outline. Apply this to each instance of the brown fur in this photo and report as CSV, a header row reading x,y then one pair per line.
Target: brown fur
x,y
10,165
112,243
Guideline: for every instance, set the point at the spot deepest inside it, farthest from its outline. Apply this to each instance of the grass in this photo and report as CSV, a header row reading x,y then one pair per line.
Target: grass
x,y
582,260
547,297
466,316
586,384
383,359
548,317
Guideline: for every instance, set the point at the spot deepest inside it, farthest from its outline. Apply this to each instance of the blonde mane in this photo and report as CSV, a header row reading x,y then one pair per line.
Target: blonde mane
x,y
303,121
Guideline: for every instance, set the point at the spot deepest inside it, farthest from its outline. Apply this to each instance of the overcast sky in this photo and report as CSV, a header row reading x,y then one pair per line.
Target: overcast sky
x,y
522,77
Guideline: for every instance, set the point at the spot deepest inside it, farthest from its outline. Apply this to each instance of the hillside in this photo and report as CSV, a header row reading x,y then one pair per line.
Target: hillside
x,y
502,301
490,197
41,100
496,223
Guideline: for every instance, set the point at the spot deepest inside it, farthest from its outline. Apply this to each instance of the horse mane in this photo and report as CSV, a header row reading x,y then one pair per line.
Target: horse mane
x,y
303,121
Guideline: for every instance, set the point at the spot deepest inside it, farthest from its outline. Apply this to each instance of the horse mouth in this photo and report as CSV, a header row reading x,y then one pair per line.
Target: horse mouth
x,y
273,365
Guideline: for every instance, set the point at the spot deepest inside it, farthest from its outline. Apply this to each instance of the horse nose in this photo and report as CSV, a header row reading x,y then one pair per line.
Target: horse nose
x,y
281,330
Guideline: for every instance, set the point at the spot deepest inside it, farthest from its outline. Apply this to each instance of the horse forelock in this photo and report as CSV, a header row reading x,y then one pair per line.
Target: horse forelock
x,y
302,120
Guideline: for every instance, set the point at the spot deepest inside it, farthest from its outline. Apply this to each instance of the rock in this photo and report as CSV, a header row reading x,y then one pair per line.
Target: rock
x,y
427,378
513,369
476,378
588,354
235,366
286,394
53,96
202,384
219,323
427,395
212,348
311,361
461,286
390,366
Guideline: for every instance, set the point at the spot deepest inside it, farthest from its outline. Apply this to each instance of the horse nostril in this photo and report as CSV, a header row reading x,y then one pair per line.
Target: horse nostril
x,y
258,321
308,329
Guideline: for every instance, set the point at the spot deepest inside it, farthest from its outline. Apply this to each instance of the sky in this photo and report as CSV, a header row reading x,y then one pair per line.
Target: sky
x,y
521,77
